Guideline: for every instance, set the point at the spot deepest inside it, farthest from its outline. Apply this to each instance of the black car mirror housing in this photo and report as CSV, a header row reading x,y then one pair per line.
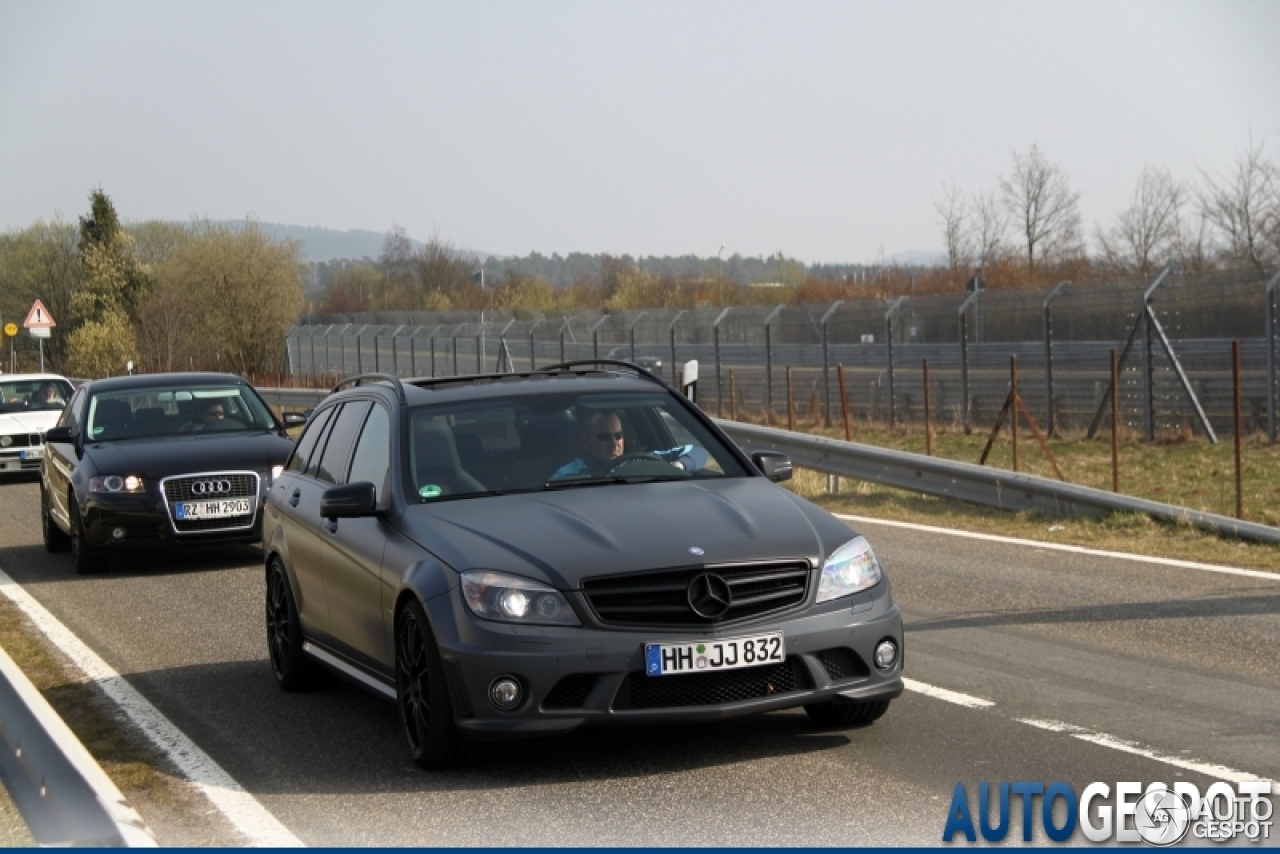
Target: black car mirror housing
x,y
773,465
349,501
293,419
60,434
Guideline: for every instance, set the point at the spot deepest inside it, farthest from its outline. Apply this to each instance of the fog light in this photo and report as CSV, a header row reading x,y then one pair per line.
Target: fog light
x,y
505,693
118,533
886,654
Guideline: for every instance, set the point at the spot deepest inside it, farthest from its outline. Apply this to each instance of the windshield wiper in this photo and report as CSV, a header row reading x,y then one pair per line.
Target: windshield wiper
x,y
607,479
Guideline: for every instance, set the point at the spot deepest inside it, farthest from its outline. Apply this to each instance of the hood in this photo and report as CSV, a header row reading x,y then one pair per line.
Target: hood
x,y
28,422
170,455
561,537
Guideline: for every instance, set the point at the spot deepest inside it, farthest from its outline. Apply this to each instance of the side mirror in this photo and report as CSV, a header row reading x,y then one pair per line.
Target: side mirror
x,y
773,465
293,419
59,434
350,501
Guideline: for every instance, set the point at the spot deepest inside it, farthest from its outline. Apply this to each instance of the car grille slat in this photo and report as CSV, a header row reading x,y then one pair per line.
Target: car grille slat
x,y
661,598
639,691
243,485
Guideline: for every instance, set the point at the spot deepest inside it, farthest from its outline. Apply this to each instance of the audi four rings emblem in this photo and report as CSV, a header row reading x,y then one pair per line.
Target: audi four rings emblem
x,y
210,487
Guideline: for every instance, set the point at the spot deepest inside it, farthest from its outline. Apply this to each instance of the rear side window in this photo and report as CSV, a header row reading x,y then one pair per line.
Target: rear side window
x,y
306,446
338,448
372,456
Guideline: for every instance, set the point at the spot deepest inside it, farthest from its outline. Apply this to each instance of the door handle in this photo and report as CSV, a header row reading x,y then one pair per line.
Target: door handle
x,y
331,525
293,499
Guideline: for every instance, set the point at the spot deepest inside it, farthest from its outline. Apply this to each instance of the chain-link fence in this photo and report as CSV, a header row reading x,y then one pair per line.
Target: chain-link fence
x,y
1061,336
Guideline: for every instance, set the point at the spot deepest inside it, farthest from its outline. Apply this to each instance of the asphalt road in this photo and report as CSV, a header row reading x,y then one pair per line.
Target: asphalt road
x,y
1180,663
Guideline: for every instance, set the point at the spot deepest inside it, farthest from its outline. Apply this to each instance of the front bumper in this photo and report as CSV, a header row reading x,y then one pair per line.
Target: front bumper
x,y
15,459
146,523
594,676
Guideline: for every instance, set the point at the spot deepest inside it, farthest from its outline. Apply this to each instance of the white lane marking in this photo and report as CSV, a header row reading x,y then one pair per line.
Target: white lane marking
x,y
1221,772
959,699
1063,547
241,808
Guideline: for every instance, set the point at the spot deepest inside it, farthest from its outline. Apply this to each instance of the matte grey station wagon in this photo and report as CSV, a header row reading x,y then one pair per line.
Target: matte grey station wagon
x,y
524,554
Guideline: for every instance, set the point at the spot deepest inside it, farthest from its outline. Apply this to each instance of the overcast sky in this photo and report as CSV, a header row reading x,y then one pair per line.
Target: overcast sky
x,y
822,130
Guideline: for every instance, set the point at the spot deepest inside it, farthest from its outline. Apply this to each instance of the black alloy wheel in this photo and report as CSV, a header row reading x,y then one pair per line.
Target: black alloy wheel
x,y
294,670
426,712
846,714
87,559
55,539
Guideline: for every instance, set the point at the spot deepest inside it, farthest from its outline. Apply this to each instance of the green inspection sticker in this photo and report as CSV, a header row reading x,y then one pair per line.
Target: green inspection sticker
x,y
430,491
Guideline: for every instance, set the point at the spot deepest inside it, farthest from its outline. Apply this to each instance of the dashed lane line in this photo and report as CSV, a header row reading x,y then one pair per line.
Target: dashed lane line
x,y
1063,547
956,697
242,809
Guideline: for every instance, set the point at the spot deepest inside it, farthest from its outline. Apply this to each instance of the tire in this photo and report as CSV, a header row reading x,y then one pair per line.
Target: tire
x,y
88,560
422,695
55,539
832,714
293,668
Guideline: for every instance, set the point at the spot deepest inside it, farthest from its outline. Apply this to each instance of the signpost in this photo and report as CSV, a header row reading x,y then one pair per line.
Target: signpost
x,y
39,324
11,329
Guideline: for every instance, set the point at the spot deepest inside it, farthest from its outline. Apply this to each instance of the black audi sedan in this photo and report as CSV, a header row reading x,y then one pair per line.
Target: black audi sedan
x,y
524,554
159,460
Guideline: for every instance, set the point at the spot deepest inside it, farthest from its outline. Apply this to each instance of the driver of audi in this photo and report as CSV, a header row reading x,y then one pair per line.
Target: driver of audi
x,y
603,442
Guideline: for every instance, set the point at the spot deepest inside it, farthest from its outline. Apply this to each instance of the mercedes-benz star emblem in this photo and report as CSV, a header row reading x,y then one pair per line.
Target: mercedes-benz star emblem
x,y
210,487
695,550
709,596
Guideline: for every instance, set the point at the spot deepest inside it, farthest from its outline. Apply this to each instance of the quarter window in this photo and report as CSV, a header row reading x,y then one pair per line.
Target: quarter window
x,y
338,448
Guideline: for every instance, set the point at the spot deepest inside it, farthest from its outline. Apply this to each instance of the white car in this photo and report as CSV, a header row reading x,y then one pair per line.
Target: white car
x,y
29,405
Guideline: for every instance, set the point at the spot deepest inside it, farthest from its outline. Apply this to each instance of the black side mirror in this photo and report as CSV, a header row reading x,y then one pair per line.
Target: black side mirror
x,y
293,419
60,434
773,465
350,501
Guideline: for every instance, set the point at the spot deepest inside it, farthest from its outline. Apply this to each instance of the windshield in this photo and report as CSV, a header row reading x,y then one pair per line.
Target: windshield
x,y
34,395
559,441
174,410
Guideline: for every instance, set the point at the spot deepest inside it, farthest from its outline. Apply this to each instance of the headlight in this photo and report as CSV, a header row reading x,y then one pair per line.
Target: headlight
x,y
512,599
849,569
6,441
115,483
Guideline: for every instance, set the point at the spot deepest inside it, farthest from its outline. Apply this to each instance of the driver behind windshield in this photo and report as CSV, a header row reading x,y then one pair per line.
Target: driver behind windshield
x,y
603,443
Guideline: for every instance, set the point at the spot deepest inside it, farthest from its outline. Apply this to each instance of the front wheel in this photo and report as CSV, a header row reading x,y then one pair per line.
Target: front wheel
x,y
426,712
293,670
55,539
846,714
87,559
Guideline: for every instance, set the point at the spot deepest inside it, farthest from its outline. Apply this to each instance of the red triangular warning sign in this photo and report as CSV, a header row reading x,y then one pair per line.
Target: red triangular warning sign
x,y
39,317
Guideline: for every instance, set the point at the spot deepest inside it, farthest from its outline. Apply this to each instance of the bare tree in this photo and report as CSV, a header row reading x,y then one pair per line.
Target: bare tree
x,y
1146,233
953,209
1039,199
990,227
1243,208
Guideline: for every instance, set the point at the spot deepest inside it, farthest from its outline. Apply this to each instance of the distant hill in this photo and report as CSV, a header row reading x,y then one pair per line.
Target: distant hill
x,y
325,244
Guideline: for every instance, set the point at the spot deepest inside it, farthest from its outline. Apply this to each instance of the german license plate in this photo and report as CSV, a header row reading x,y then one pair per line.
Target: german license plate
x,y
31,453
671,659
219,509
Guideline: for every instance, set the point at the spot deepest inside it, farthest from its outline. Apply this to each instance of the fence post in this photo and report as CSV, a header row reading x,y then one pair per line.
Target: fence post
x,y
631,331
964,360
359,352
844,403
768,365
595,336
791,405
888,337
1115,421
928,417
826,366
1049,404
671,330
533,359
1271,358
1013,408
715,338
1235,408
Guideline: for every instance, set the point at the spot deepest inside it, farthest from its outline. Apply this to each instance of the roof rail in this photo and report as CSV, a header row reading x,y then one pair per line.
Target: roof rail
x,y
358,379
644,372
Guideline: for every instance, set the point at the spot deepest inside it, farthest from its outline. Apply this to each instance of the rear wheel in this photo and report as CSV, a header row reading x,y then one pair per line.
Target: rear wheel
x,y
293,669
426,712
55,539
846,714
88,560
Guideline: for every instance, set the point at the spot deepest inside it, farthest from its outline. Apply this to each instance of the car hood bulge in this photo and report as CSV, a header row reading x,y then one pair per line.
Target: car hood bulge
x,y
171,455
28,422
562,537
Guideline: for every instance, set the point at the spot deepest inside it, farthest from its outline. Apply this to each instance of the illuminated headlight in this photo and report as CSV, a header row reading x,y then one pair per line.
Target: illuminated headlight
x,y
6,441
115,483
851,568
276,471
512,599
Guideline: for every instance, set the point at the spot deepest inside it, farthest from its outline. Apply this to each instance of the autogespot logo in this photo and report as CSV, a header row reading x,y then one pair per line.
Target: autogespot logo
x,y
1157,814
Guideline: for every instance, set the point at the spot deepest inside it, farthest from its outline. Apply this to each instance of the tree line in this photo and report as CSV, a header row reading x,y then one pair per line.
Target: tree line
x,y
161,295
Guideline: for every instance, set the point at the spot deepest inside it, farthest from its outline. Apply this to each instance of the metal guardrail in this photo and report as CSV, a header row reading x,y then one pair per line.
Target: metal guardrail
x,y
63,795
976,484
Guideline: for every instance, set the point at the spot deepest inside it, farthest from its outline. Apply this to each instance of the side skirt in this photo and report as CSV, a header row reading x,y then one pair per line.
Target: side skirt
x,y
349,670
